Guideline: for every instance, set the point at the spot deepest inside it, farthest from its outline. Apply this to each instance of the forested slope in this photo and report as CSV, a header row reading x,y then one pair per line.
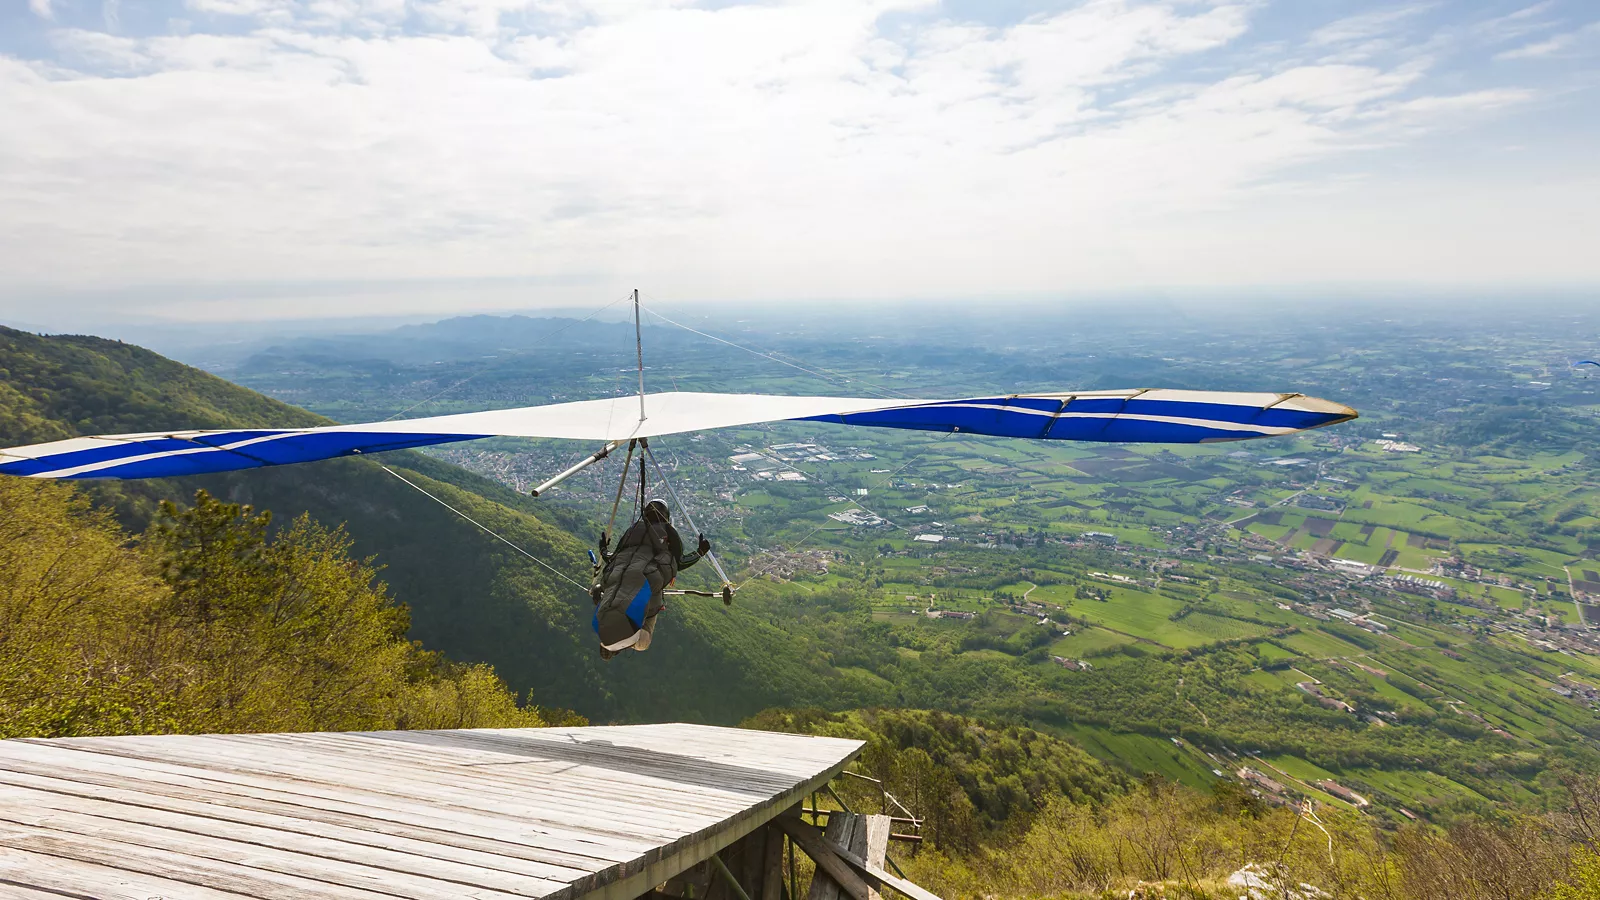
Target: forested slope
x,y
209,622
470,597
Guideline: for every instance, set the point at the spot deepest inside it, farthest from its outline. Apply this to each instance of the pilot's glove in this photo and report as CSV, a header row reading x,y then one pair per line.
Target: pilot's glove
x,y
705,546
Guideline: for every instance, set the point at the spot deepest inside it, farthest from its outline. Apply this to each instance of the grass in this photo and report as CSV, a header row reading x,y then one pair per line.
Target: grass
x,y
1270,651
1088,641
1221,628
1361,553
1319,644
1270,532
1142,615
1422,789
1141,753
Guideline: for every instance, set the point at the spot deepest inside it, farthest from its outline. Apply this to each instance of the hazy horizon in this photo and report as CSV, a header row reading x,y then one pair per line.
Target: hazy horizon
x,y
233,160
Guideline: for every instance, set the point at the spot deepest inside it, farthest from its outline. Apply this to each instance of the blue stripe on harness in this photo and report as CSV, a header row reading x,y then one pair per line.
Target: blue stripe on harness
x,y
636,607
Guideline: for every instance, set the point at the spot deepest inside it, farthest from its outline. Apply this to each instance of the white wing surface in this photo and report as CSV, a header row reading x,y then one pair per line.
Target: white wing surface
x,y
1144,416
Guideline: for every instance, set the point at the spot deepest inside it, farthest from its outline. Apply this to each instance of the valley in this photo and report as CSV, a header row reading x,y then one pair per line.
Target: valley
x,y
1395,610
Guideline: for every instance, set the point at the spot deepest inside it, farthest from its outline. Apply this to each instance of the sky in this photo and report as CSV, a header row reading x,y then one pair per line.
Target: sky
x,y
223,160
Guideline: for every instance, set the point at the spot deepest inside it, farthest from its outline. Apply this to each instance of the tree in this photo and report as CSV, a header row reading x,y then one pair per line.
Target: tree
x,y
211,623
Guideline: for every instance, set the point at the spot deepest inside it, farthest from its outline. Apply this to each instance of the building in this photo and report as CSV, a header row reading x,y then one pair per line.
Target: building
x,y
1251,776
1351,567
1343,793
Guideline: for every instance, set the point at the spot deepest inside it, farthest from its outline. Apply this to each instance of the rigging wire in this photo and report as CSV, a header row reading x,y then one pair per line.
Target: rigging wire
x,y
661,475
645,447
486,529
825,376
487,368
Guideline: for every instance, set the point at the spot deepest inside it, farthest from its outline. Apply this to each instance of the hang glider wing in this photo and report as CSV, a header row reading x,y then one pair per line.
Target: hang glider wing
x,y
1147,416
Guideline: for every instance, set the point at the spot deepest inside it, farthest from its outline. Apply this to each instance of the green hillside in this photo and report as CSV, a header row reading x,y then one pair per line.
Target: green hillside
x,y
209,622
470,597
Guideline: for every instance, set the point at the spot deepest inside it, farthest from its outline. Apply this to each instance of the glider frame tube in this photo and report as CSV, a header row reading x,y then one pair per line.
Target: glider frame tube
x,y
602,453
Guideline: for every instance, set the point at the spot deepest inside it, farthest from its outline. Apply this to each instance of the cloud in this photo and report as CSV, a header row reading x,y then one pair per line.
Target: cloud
x,y
41,8
1553,46
1367,26
804,148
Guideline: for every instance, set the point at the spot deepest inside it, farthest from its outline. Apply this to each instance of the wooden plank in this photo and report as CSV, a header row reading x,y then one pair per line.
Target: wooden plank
x,y
159,828
740,776
13,890
119,803
317,794
858,845
68,878
517,776
690,754
110,842
588,821
809,838
439,784
217,875
874,843
496,837
656,808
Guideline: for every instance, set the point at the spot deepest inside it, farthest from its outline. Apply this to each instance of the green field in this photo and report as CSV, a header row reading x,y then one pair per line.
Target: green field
x,y
1143,753
1310,642
1088,642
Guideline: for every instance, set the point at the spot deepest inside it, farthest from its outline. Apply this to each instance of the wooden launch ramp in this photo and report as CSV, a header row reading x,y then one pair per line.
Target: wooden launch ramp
x,y
608,813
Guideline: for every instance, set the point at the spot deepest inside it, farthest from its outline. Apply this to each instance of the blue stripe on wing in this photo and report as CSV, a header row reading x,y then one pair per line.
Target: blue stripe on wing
x,y
167,457
1092,419
113,450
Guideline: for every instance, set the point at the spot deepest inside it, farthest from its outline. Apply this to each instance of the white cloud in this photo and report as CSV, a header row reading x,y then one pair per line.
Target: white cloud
x,y
1552,46
1373,25
783,149
41,8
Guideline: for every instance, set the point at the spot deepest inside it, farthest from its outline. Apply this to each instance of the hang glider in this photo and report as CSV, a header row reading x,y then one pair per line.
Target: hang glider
x,y
1143,416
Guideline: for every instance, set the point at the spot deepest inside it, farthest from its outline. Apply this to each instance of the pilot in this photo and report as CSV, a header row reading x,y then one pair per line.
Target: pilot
x,y
628,593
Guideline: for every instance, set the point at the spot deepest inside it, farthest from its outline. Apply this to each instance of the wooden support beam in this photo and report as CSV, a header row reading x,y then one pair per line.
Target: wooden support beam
x,y
752,856
899,884
804,834
772,866
809,838
838,833
729,879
